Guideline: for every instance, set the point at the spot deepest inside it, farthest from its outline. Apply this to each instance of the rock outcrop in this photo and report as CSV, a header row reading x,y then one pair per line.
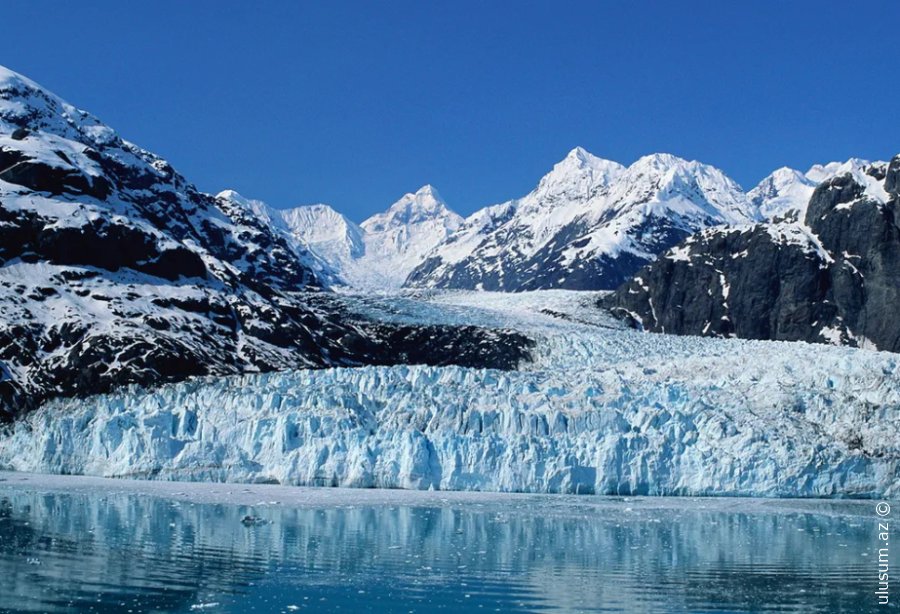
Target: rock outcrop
x,y
832,278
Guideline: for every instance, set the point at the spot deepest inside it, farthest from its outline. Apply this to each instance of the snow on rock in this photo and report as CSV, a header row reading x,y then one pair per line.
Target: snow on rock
x,y
786,192
832,277
115,269
589,224
600,410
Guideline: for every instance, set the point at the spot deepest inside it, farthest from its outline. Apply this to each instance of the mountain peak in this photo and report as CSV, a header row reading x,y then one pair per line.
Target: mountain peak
x,y
581,158
786,172
822,172
581,154
660,161
429,190
233,196
575,177
423,205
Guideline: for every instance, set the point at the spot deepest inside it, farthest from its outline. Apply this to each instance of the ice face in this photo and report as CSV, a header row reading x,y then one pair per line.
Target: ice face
x,y
601,410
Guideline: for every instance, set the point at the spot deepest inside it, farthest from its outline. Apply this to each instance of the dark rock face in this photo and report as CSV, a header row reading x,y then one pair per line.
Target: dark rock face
x,y
115,270
834,279
548,268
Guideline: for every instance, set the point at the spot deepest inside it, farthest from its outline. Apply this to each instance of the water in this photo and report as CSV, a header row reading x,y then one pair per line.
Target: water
x,y
101,547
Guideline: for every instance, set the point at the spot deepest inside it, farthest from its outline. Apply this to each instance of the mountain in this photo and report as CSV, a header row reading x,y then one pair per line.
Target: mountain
x,y
114,270
832,278
325,232
786,192
381,252
311,248
589,224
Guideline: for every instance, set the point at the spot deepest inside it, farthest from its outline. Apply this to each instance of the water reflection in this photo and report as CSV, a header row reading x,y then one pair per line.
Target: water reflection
x,y
127,552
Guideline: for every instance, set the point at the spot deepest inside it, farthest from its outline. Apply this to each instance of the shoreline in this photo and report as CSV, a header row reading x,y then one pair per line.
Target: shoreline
x,y
260,495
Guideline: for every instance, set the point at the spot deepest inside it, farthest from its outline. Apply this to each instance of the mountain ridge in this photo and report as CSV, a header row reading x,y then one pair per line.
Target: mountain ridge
x,y
116,270
830,277
588,224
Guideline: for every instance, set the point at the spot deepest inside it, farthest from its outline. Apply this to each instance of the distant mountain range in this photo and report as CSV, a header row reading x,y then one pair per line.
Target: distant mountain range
x,y
382,251
590,224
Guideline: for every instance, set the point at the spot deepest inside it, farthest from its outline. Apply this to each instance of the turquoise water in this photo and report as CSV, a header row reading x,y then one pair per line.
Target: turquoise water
x,y
104,550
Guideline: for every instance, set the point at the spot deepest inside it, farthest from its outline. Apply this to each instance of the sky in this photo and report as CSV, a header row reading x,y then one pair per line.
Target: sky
x,y
356,103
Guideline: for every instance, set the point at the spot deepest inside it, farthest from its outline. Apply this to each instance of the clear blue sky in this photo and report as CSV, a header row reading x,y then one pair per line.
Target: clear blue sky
x,y
355,103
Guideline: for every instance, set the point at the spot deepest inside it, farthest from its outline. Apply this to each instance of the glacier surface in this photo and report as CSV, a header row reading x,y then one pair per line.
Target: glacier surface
x,y
600,410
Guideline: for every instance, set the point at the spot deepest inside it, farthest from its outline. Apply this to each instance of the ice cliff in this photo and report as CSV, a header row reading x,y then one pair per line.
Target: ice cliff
x,y
601,410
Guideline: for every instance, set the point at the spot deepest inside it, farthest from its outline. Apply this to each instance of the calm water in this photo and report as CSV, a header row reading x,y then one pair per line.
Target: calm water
x,y
110,551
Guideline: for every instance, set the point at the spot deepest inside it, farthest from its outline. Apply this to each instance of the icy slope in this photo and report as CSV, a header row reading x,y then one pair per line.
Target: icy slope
x,y
378,254
786,192
327,233
589,224
601,410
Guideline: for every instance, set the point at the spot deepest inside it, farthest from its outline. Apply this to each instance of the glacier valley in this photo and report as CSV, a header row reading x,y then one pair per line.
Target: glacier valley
x,y
599,409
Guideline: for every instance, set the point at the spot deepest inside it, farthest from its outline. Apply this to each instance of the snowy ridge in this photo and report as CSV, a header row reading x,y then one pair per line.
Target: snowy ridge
x,y
786,192
589,224
601,410
114,269
378,254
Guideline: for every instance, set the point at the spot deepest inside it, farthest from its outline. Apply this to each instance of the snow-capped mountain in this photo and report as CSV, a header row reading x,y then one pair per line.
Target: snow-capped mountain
x,y
589,224
325,232
831,277
114,269
381,252
786,192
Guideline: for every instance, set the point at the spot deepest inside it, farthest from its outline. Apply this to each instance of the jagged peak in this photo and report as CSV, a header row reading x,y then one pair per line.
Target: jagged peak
x,y
319,222
583,156
425,204
786,172
252,207
425,198
660,160
232,195
575,177
429,190
580,159
780,179
303,215
676,169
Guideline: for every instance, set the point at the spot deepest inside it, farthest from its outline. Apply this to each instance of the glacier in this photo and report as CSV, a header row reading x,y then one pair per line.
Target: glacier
x,y
600,409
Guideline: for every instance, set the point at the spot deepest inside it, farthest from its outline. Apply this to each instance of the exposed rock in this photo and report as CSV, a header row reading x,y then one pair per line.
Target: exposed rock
x,y
115,270
834,278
